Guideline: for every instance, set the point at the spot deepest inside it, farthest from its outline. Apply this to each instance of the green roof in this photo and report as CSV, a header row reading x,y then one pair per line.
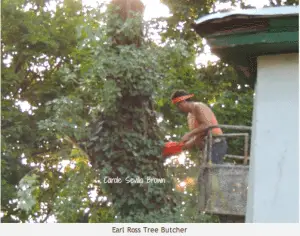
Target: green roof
x,y
238,37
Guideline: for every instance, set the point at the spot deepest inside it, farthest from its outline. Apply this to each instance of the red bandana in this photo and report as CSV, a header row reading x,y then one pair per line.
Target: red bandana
x,y
182,98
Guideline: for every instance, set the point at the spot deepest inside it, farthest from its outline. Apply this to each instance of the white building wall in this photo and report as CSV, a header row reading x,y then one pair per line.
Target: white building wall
x,y
273,193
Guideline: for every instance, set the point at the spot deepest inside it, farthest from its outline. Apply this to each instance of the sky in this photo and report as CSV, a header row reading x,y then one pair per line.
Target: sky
x,y
154,9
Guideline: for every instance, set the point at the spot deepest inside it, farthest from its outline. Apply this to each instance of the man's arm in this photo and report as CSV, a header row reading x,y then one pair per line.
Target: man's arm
x,y
195,141
189,144
201,129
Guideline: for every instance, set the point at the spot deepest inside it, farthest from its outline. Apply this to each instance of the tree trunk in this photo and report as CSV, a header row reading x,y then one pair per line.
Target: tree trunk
x,y
126,144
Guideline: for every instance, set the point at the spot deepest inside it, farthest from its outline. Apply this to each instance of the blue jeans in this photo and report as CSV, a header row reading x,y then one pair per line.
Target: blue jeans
x,y
219,150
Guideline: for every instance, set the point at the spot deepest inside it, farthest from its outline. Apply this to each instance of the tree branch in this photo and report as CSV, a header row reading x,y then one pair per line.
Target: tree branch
x,y
47,215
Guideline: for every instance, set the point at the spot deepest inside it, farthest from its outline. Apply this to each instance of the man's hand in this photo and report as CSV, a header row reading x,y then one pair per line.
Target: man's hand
x,y
189,144
186,137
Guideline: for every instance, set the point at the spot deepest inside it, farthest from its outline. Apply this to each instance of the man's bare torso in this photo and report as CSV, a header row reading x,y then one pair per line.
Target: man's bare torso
x,y
207,118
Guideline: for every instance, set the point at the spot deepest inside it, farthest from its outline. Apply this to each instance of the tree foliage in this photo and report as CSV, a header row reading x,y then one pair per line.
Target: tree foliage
x,y
82,90
39,43
89,95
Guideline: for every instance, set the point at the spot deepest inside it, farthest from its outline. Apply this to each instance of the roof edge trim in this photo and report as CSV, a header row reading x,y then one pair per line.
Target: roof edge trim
x,y
262,12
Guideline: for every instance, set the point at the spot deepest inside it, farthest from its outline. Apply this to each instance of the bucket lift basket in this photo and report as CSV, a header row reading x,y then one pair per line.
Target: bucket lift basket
x,y
223,187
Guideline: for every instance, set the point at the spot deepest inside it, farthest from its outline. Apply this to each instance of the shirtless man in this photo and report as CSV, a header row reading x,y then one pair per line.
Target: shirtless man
x,y
200,117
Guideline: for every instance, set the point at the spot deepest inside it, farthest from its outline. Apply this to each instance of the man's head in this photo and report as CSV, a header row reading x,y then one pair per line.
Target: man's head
x,y
182,100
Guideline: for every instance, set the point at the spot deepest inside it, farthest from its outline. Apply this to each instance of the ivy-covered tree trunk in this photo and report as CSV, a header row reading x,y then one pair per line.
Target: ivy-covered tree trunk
x,y
124,143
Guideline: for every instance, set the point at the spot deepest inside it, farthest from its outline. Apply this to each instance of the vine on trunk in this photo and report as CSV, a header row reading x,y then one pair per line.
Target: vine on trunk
x,y
124,141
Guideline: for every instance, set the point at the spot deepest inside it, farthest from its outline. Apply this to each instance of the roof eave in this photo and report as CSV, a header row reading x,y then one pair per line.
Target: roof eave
x,y
250,13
